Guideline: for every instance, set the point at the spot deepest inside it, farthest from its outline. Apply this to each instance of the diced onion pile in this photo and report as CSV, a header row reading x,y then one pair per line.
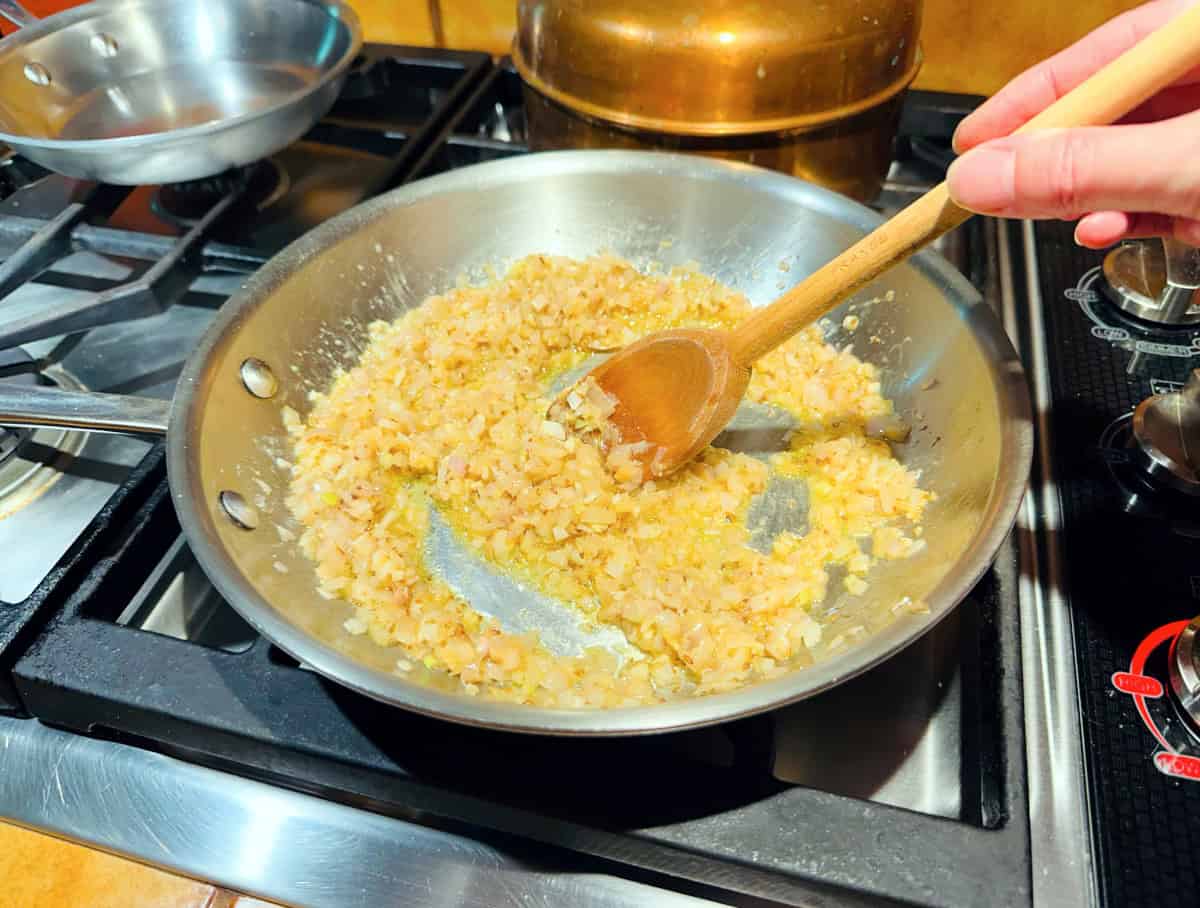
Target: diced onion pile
x,y
449,405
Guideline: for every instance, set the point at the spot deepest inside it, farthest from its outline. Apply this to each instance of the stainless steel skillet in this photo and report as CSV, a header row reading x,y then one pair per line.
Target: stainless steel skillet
x,y
943,355
160,91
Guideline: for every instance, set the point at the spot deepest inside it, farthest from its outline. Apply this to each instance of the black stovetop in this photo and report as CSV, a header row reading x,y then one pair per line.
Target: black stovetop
x,y
706,806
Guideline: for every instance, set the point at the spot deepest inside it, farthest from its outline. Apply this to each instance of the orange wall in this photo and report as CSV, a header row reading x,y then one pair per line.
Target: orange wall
x,y
397,21
464,24
970,45
978,45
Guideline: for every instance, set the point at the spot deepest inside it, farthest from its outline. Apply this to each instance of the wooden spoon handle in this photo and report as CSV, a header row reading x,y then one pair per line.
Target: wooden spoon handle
x,y
1149,66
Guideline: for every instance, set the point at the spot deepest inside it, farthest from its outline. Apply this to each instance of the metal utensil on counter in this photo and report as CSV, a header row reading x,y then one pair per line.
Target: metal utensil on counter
x,y
162,91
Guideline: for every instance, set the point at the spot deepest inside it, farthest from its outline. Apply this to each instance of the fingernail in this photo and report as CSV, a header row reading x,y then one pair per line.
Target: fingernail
x,y
1085,237
1101,228
983,179
956,141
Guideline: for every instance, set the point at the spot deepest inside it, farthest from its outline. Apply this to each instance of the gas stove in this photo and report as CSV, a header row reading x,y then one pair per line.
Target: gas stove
x,y
1036,748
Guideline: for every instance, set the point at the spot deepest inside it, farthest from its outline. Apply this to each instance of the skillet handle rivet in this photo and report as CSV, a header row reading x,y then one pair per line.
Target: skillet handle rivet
x,y
37,74
104,45
258,378
238,510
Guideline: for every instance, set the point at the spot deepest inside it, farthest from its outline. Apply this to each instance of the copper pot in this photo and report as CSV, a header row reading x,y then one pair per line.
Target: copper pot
x,y
812,89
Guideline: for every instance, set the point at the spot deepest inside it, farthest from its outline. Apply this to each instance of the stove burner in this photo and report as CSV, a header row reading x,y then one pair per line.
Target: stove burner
x,y
185,203
16,368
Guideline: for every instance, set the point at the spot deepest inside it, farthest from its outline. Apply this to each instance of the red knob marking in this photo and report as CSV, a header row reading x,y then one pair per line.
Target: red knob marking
x,y
1138,662
1144,685
1179,765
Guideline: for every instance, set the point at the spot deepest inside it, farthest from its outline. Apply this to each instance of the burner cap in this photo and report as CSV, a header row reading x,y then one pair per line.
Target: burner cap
x,y
185,203
1167,430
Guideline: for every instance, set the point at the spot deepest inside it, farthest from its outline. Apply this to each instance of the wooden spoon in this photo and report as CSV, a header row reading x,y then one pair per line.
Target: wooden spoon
x,y
674,391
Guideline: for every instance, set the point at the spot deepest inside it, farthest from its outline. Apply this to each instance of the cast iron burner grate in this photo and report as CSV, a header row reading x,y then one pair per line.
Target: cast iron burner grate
x,y
259,184
20,621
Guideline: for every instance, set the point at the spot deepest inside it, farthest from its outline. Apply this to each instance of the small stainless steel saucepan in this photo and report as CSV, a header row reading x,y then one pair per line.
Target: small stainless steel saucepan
x,y
163,91
943,357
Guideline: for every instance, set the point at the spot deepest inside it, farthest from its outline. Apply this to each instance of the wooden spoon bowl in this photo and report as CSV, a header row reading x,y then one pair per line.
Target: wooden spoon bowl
x,y
675,390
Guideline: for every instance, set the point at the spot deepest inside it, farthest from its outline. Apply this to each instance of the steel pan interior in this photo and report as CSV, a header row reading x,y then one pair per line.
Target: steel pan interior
x,y
943,354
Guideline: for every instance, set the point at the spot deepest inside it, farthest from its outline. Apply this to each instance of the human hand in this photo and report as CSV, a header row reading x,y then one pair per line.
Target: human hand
x,y
1136,179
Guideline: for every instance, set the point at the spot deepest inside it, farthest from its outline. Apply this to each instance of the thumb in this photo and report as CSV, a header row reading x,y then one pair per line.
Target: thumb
x,y
1063,173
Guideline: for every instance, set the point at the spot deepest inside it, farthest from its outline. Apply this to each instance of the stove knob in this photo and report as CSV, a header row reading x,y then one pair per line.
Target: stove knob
x,y
1167,430
1156,281
1184,669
